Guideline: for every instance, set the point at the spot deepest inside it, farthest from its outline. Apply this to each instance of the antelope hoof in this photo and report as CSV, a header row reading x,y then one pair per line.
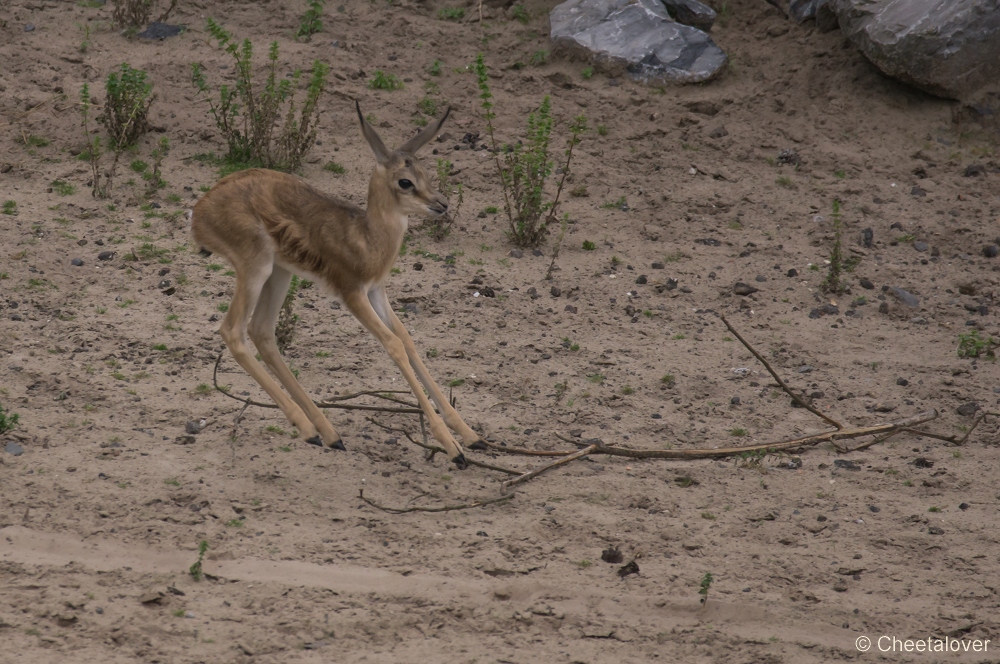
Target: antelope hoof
x,y
338,445
460,462
316,440
479,445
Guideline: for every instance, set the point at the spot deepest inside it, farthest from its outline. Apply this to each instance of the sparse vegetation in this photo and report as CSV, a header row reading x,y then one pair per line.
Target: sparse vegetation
x,y
195,569
383,81
451,13
589,246
970,344
311,23
525,168
334,167
7,422
706,583
10,207
126,107
250,118
285,330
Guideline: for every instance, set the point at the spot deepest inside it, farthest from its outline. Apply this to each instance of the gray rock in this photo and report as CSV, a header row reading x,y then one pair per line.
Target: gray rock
x,y
637,37
803,10
949,49
14,448
741,288
968,408
921,246
691,12
157,30
907,298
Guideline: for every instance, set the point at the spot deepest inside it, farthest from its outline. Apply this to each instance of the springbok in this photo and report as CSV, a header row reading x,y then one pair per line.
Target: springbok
x,y
270,225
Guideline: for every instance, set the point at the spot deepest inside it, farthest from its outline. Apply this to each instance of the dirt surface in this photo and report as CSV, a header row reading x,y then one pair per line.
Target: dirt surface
x,y
102,512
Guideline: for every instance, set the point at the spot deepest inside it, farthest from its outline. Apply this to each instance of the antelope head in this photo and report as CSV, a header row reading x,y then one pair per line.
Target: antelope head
x,y
398,180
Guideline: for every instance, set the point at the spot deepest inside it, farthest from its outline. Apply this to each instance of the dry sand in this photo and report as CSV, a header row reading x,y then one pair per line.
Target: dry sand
x,y
108,502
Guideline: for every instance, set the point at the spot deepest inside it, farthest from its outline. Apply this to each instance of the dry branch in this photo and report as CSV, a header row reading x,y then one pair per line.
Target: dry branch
x,y
443,508
552,464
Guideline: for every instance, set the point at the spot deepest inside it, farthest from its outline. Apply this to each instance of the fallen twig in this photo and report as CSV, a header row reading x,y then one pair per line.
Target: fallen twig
x,y
549,466
799,400
443,508
434,449
412,409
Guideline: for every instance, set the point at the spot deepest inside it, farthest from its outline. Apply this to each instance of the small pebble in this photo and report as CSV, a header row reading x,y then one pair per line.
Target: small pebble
x,y
657,266
921,246
735,401
902,382
793,272
555,291
77,262
991,251
13,448
418,266
760,278
29,27
741,288
515,253
968,408
105,255
641,280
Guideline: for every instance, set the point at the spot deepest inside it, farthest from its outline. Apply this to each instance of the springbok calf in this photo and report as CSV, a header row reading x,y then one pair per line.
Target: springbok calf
x,y
269,225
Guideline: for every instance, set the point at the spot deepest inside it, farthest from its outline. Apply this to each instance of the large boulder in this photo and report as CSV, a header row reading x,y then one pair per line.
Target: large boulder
x,y
636,37
949,48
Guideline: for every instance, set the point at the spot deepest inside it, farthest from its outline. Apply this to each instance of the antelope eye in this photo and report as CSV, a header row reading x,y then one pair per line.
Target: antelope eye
x,y
405,184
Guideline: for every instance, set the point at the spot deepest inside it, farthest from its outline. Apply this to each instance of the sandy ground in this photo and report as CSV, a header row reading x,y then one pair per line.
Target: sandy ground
x,y
102,513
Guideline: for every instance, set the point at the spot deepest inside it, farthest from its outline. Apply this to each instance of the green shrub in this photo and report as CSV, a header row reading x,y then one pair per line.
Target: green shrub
x,y
383,81
524,168
311,23
250,118
129,96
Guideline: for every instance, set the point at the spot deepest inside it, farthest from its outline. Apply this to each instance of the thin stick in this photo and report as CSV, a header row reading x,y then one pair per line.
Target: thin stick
x,y
239,416
444,508
799,400
341,406
434,449
524,452
549,466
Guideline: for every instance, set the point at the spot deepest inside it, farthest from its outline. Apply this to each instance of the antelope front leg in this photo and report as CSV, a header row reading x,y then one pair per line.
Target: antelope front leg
x,y
380,302
359,305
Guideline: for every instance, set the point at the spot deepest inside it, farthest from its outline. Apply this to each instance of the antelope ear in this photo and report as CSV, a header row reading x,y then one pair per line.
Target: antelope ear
x,y
426,136
382,153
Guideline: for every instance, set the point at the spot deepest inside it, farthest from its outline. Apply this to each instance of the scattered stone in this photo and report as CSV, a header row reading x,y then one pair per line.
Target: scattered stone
x,y
709,242
555,291
13,448
537,252
991,251
845,464
718,132
789,156
883,308
570,308
630,568
793,272
840,586
963,506
533,293
867,237
410,307
949,49
917,192
907,298
185,440
641,280
691,12
78,262
29,27
968,408
760,278
735,401
635,36
515,253
671,284
866,284
902,382
151,598
805,369
921,462
105,255
921,246
418,266
741,288
611,555
657,266
194,426
874,509
935,530
825,310
158,30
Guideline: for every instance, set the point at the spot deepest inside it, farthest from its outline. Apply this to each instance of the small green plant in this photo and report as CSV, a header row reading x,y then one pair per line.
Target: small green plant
x,y
440,226
435,68
63,188
451,13
539,58
383,81
970,344
570,345
832,282
195,569
738,432
139,166
334,168
10,207
155,179
596,378
234,523
172,481
620,203
126,107
589,246
250,118
626,390
287,319
520,14
7,422
934,509
785,181
456,382
706,583
668,380
33,141
311,23
602,130
587,73
840,174
525,168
